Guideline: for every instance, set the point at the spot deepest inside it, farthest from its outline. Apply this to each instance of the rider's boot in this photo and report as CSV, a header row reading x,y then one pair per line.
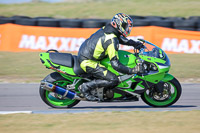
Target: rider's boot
x,y
94,84
85,90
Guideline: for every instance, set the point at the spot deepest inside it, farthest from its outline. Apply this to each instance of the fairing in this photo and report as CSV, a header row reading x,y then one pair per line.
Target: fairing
x,y
126,58
151,54
154,51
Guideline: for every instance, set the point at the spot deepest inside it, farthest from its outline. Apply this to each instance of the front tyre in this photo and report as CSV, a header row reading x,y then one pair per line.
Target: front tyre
x,y
52,99
171,93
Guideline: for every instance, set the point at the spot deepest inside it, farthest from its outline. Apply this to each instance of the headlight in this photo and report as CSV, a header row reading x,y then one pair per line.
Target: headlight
x,y
145,66
153,67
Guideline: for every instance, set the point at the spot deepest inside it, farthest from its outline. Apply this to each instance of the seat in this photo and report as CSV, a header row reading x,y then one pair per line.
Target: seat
x,y
77,69
64,59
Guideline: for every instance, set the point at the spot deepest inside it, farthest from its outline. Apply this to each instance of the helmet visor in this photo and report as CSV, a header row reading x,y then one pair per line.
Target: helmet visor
x,y
128,28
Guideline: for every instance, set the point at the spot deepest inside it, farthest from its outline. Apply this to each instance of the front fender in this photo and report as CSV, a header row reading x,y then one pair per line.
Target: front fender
x,y
167,77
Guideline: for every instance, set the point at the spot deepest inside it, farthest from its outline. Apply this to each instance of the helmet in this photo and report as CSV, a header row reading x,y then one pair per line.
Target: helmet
x,y
123,23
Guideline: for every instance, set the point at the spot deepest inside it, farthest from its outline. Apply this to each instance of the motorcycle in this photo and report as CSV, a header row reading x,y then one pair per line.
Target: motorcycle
x,y
155,86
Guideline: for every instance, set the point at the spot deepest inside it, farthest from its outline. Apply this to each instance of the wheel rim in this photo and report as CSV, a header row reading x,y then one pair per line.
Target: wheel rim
x,y
56,99
162,101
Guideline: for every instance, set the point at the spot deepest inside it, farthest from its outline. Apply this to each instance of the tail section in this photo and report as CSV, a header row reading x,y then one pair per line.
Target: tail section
x,y
64,63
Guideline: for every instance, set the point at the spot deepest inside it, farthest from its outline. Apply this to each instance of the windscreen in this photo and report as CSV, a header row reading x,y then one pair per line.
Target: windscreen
x,y
154,51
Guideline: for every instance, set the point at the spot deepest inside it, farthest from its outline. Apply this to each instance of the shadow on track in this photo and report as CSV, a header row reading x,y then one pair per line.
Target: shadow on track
x,y
133,107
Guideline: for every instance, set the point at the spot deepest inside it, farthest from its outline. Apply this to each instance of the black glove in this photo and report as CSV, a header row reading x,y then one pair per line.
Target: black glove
x,y
131,43
138,69
136,44
139,45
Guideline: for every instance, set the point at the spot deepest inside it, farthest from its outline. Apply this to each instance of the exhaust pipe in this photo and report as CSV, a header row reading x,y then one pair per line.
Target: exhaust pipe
x,y
59,90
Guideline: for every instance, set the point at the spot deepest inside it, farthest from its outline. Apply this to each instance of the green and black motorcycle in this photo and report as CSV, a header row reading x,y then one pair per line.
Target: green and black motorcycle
x,y
155,86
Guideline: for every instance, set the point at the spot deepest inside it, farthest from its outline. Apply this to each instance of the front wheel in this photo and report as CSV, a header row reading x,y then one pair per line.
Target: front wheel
x,y
171,93
55,100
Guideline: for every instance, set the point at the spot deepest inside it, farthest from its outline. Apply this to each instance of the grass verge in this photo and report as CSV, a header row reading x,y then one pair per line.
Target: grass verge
x,y
107,122
104,8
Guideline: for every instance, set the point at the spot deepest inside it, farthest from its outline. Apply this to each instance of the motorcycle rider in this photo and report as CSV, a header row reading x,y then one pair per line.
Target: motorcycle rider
x,y
105,42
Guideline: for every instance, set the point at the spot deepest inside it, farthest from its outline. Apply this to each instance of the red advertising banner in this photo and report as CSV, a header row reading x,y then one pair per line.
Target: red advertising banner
x,y
18,38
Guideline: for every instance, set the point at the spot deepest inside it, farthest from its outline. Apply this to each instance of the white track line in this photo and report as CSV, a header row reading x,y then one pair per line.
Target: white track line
x,y
15,112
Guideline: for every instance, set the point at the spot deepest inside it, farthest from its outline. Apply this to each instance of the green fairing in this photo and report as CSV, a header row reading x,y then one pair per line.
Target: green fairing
x,y
167,77
68,77
152,59
126,58
155,78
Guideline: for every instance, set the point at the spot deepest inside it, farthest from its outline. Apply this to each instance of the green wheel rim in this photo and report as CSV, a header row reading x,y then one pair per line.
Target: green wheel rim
x,y
59,102
162,103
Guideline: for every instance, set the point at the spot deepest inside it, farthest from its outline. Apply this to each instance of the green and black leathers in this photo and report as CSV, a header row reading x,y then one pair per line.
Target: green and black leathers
x,y
103,43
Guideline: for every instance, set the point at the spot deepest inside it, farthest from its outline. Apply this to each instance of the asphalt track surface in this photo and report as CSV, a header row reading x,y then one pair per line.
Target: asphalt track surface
x,y
25,97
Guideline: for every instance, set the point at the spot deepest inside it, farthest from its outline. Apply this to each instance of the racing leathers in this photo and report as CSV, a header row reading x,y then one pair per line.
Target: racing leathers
x,y
105,42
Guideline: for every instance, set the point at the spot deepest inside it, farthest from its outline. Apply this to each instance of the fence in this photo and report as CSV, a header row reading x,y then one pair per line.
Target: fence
x,y
192,23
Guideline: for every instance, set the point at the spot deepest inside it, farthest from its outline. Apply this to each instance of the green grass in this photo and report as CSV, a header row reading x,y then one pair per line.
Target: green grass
x,y
105,122
26,67
104,8
22,67
185,65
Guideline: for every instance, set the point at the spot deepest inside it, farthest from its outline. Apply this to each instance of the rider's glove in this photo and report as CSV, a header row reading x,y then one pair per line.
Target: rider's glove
x,y
138,69
139,45
131,43
136,44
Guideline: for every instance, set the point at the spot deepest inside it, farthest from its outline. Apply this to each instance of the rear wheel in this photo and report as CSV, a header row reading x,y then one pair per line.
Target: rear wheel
x,y
55,100
171,93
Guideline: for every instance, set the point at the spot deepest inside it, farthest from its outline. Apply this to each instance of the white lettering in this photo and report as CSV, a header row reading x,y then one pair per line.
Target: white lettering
x,y
45,43
195,46
53,42
79,42
183,46
170,44
76,43
41,43
73,44
27,42
64,44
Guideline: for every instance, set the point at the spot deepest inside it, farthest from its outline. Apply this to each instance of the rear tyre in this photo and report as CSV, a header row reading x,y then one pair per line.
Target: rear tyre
x,y
171,93
52,99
